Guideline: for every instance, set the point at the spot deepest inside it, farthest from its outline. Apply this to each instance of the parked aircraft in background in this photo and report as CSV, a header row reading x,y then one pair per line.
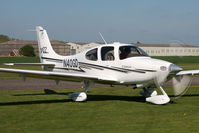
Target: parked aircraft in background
x,y
114,64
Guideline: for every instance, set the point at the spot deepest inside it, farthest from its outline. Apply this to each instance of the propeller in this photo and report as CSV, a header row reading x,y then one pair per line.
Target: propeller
x,y
181,83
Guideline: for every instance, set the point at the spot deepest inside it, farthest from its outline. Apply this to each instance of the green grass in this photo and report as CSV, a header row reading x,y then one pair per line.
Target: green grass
x,y
19,60
108,110
179,59
186,62
16,76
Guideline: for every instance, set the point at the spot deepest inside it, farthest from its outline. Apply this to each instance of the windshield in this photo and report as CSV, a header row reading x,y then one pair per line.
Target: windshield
x,y
130,51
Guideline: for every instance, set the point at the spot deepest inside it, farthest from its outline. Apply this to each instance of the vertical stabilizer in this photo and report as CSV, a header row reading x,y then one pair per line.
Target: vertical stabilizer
x,y
44,45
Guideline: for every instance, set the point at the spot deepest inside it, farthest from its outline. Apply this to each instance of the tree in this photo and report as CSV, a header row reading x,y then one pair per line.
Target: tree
x,y
27,50
4,38
138,42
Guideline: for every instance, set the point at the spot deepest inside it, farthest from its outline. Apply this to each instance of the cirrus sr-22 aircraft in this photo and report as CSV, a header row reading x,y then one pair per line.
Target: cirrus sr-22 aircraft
x,y
113,64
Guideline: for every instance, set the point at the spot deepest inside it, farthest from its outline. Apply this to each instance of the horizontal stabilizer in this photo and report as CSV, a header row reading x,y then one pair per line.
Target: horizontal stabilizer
x,y
32,64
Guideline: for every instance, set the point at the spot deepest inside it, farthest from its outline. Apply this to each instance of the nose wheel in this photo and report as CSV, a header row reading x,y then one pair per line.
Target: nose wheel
x,y
152,97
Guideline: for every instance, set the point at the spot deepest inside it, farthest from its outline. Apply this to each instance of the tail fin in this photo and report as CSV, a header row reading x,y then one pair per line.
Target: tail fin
x,y
45,49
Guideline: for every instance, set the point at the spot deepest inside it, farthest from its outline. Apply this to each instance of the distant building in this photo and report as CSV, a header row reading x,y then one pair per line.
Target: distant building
x,y
151,49
170,49
76,48
7,47
10,48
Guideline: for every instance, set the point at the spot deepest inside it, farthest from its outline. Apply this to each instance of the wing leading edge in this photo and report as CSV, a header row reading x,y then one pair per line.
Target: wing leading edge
x,y
188,72
57,75
32,64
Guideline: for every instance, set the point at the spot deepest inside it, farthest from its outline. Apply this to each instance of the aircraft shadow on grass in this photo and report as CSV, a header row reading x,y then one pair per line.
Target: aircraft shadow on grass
x,y
46,92
90,98
187,95
33,102
115,97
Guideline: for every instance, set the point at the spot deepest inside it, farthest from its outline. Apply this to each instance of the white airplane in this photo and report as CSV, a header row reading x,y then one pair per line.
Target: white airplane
x,y
113,64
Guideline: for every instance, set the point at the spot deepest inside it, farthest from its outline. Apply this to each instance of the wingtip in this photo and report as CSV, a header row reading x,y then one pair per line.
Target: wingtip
x,y
8,64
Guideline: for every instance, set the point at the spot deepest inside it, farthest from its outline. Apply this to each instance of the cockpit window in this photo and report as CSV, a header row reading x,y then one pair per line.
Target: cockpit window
x,y
130,51
107,53
92,55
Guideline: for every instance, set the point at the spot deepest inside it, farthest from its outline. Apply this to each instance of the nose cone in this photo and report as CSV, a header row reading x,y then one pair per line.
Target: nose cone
x,y
174,68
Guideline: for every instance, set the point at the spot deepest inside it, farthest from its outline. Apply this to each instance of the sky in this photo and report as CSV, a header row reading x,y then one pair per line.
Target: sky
x,y
126,21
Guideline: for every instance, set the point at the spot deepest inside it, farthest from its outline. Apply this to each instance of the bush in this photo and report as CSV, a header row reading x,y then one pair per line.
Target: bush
x,y
27,50
4,38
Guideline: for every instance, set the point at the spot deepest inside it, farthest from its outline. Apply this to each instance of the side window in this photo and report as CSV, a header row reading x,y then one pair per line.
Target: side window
x,y
107,53
92,54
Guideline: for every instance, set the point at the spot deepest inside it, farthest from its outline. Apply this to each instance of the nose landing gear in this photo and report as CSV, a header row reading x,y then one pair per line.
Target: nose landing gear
x,y
148,92
151,96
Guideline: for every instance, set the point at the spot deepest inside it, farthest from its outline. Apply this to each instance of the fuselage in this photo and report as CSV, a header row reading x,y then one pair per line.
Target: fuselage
x,y
125,63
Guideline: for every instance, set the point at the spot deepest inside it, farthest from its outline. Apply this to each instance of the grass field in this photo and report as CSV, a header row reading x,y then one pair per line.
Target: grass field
x,y
17,60
108,110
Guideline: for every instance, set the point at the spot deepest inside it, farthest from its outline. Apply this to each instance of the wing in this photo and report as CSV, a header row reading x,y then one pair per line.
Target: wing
x,y
32,64
188,72
58,75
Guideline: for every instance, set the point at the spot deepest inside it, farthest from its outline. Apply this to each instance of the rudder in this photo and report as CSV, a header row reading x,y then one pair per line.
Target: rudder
x,y
44,45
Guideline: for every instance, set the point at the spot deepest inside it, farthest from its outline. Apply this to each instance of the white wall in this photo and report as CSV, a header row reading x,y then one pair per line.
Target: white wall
x,y
81,47
152,51
171,51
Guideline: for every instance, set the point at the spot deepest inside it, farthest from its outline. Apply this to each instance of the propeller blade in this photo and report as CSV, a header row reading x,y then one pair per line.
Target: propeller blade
x,y
181,85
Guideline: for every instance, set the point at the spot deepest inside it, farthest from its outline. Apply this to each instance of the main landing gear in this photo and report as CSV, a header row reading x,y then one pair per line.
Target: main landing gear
x,y
81,96
151,95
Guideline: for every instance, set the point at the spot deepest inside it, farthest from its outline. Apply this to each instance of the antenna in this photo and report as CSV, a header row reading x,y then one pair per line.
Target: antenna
x,y
103,38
